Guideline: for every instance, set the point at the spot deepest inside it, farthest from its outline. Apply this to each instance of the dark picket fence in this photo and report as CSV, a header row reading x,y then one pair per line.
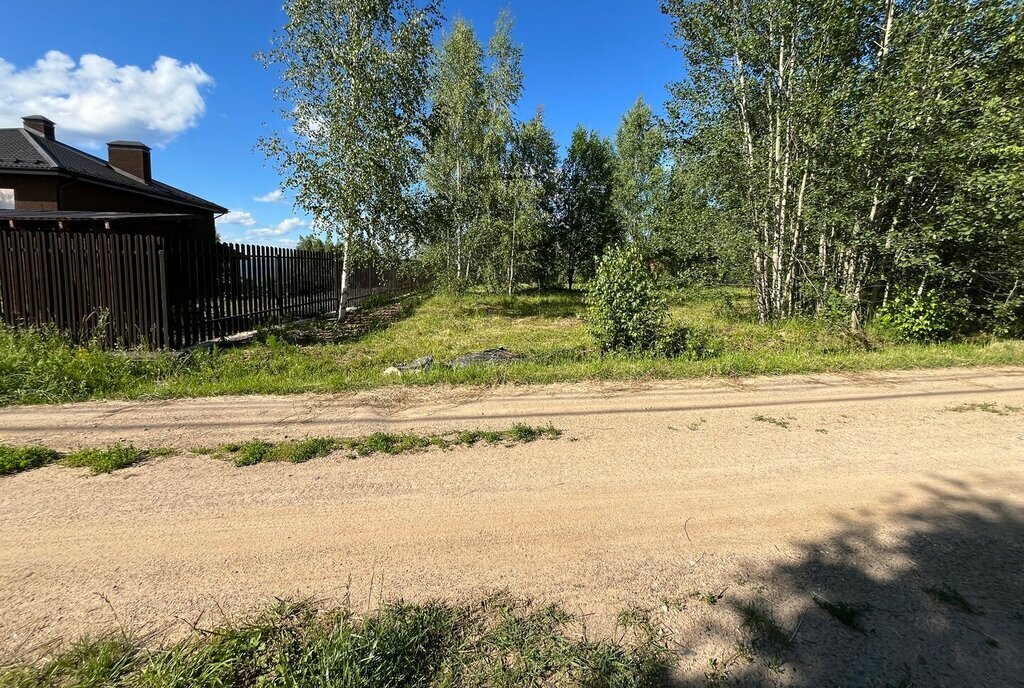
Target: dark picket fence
x,y
131,290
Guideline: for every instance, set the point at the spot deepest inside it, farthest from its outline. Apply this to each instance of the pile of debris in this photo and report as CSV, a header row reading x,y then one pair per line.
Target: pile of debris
x,y
490,357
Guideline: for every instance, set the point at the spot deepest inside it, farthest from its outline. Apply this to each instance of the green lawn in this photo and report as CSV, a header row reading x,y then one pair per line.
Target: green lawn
x,y
546,328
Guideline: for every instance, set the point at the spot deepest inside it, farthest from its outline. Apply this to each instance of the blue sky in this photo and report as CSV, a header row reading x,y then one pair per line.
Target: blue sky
x,y
203,109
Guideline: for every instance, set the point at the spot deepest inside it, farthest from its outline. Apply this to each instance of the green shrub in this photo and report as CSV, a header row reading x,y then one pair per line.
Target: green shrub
x,y
1008,319
107,460
18,459
932,317
627,311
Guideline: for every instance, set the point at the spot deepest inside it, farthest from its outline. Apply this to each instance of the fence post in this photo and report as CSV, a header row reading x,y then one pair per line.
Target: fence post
x,y
165,318
279,287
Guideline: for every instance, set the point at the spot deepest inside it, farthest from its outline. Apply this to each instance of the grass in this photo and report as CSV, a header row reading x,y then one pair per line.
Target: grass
x,y
17,459
99,461
759,621
985,407
545,327
777,422
258,451
496,642
117,457
114,458
951,597
846,614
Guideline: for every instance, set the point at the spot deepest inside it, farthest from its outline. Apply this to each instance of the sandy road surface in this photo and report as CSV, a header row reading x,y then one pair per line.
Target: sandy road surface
x,y
658,493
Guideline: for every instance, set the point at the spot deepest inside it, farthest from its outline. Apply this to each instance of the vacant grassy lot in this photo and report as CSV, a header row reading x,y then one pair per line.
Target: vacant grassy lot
x,y
545,327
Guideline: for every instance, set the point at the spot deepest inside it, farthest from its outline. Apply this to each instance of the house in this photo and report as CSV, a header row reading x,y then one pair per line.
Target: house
x,y
46,184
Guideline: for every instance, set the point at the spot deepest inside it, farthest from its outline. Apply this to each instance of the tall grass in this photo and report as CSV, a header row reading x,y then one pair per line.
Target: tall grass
x,y
494,643
43,367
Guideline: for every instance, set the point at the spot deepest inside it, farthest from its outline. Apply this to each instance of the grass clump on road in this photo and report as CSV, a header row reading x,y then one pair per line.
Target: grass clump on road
x,y
99,461
392,444
498,642
18,459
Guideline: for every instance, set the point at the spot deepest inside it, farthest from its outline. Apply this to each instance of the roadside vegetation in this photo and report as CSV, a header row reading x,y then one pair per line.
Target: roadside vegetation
x,y
721,335
99,461
119,456
301,451
497,642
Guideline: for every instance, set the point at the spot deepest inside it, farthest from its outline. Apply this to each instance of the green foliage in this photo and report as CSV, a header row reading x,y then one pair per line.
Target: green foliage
x,y
114,458
627,311
259,451
497,642
640,175
354,82
251,453
1008,318
882,153
45,366
18,459
932,317
586,223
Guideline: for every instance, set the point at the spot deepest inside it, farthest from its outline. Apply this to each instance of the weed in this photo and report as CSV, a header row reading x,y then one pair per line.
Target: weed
x,y
673,604
696,425
390,444
952,597
846,614
305,450
985,407
251,453
710,598
760,622
778,422
114,458
18,459
499,642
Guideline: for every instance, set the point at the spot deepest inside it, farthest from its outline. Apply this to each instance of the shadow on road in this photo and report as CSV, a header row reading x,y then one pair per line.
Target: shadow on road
x,y
933,597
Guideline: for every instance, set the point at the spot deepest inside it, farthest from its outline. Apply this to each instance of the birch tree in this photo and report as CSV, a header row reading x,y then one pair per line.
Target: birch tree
x,y
455,166
354,80
641,175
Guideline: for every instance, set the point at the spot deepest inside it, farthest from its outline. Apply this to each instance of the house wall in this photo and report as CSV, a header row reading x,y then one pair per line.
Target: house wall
x,y
43,193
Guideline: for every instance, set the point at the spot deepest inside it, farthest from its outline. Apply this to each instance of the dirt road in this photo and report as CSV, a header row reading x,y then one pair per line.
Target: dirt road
x,y
871,490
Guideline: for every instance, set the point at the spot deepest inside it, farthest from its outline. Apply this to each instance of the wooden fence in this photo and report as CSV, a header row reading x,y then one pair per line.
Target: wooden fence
x,y
142,290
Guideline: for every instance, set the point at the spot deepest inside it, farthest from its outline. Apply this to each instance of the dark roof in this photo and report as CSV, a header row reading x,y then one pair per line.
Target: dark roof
x,y
86,216
21,149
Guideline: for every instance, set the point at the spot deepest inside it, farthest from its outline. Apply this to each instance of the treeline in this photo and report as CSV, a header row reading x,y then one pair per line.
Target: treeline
x,y
867,154
854,157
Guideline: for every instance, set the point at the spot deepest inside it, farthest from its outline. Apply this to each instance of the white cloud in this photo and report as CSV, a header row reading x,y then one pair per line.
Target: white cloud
x,y
95,100
275,196
6,199
280,229
238,217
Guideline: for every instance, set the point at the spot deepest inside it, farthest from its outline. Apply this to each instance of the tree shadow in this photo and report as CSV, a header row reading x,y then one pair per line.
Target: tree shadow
x,y
353,328
930,595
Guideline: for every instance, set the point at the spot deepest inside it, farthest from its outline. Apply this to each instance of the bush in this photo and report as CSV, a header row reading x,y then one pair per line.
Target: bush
x,y
933,317
1008,319
627,311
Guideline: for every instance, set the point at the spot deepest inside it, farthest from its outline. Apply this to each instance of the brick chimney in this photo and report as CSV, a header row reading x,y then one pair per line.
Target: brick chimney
x,y
131,157
41,126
